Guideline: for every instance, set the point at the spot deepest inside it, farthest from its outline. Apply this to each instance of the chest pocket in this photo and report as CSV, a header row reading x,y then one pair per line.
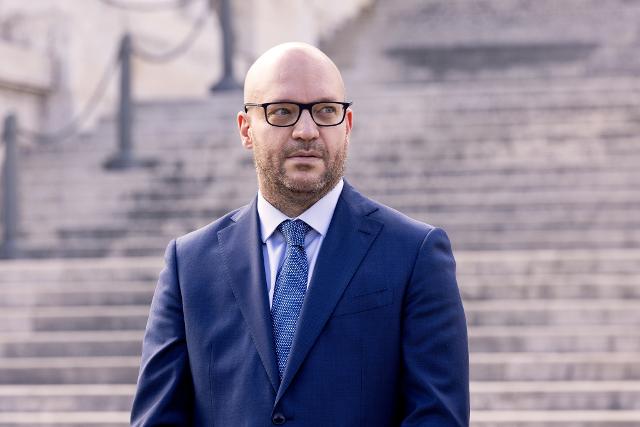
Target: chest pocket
x,y
365,302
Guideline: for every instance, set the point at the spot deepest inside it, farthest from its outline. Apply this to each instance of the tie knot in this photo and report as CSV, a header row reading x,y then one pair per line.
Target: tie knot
x,y
294,231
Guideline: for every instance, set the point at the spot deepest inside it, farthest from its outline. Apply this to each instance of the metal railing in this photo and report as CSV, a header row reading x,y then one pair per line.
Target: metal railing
x,y
9,246
227,82
124,156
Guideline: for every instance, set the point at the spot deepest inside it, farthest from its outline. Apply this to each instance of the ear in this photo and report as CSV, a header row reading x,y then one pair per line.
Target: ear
x,y
348,119
244,127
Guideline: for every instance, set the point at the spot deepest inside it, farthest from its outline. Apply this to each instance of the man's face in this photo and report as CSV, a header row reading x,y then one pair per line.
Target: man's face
x,y
305,157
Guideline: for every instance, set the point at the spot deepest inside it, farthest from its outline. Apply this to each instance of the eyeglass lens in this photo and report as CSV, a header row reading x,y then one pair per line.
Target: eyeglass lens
x,y
323,113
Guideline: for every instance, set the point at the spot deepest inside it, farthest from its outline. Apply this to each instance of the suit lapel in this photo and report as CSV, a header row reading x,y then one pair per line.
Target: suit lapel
x,y
242,251
347,241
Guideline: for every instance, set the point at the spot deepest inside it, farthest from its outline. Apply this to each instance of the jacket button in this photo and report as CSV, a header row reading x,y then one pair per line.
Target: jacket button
x,y
278,419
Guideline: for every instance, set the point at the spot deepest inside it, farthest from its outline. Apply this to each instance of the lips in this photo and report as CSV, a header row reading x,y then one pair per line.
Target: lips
x,y
305,154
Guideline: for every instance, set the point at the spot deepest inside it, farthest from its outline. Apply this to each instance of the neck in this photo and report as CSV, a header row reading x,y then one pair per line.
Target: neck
x,y
290,202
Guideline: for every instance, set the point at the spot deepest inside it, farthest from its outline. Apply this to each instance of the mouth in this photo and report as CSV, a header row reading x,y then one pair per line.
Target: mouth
x,y
305,155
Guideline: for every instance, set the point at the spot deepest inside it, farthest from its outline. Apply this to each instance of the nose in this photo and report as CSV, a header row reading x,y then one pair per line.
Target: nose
x,y
305,129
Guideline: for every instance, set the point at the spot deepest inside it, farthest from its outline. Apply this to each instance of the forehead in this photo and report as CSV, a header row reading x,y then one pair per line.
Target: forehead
x,y
299,79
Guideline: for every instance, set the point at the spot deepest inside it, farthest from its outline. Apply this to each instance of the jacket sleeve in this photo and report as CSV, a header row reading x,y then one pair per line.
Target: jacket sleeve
x,y
435,357
164,393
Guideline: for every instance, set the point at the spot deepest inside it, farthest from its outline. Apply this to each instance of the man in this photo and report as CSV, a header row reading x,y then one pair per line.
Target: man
x,y
312,305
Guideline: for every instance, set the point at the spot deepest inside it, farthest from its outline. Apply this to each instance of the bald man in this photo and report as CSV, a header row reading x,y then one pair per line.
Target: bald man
x,y
312,305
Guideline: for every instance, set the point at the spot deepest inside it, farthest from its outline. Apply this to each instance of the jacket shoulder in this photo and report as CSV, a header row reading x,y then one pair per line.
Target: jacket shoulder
x,y
204,237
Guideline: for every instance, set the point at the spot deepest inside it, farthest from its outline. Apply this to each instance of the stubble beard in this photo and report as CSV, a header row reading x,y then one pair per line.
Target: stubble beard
x,y
289,194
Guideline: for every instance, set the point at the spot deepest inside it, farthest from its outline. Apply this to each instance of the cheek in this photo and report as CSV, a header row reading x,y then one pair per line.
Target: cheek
x,y
338,145
268,145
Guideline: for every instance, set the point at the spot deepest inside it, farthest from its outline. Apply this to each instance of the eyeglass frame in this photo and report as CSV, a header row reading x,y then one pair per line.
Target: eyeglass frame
x,y
302,107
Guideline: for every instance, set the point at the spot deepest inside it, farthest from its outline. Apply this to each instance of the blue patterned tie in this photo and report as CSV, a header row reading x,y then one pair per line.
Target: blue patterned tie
x,y
290,288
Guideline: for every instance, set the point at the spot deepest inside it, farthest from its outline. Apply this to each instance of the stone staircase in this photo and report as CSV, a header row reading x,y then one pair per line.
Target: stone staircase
x,y
535,181
70,339
554,337
531,165
456,40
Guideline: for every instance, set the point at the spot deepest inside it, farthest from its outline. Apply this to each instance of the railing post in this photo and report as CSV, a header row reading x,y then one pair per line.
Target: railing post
x,y
124,157
227,82
9,246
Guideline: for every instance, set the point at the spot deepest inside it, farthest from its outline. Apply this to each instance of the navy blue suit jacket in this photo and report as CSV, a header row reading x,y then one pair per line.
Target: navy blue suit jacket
x,y
381,340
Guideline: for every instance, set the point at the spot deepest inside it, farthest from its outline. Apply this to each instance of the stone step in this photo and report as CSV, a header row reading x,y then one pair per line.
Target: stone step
x,y
71,344
65,419
429,182
428,204
535,239
552,366
135,243
87,249
509,220
425,99
66,397
509,367
436,136
497,312
535,395
489,143
587,418
34,295
152,246
444,154
517,215
544,339
531,149
78,318
555,395
548,286
497,221
557,262
562,197
464,196
419,160
394,115
542,94
98,270
599,312
541,236
463,144
588,287
147,216
68,370
456,189
491,128
481,339
96,273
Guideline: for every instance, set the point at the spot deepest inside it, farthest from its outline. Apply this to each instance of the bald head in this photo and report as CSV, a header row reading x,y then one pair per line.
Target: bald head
x,y
290,71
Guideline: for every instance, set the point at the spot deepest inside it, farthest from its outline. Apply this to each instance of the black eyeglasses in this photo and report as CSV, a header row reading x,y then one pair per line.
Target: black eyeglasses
x,y
285,114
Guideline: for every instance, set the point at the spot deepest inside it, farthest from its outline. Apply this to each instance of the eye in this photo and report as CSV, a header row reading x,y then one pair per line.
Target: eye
x,y
327,109
280,111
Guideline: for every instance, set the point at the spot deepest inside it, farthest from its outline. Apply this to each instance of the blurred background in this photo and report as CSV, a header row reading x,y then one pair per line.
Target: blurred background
x,y
513,124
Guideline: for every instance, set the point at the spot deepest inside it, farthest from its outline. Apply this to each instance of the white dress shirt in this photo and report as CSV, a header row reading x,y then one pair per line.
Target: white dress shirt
x,y
318,217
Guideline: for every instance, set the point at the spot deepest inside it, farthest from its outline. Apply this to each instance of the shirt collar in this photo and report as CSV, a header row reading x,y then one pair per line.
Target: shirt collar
x,y
318,216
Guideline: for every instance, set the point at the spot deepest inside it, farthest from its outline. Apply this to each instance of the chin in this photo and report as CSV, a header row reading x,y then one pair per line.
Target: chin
x,y
305,184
